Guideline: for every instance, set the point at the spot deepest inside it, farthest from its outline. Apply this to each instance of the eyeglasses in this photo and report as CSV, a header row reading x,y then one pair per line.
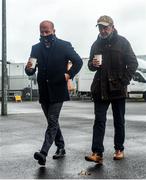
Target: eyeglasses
x,y
102,27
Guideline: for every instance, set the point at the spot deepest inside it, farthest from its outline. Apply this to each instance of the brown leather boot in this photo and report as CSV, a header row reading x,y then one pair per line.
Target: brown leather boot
x,y
118,155
94,157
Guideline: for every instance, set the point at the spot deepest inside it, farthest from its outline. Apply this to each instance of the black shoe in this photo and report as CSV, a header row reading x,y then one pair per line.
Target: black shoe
x,y
59,153
40,157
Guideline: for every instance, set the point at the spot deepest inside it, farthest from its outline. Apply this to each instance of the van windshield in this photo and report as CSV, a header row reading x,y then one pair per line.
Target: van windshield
x,y
143,70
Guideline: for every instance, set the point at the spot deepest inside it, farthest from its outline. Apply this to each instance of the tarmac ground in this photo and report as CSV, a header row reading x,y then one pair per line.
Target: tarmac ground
x,y
22,133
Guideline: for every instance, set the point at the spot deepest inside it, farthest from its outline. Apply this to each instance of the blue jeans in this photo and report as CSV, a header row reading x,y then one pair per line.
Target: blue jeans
x,y
100,109
53,131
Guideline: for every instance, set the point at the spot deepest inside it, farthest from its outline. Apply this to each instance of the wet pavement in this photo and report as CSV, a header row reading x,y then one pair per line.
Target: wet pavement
x,y
22,133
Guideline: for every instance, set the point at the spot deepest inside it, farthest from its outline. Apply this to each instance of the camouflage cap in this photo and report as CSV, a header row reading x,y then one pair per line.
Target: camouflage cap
x,y
105,21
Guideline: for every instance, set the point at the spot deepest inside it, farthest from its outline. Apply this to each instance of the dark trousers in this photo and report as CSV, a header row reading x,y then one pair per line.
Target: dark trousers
x,y
100,109
53,131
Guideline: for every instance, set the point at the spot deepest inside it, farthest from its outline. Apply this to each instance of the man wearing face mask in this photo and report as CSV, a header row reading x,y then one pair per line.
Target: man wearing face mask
x,y
52,55
115,63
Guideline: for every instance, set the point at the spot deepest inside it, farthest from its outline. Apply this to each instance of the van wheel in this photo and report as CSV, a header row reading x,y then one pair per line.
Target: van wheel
x,y
144,96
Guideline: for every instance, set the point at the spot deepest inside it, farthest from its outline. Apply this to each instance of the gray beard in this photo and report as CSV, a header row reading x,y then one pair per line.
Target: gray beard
x,y
105,37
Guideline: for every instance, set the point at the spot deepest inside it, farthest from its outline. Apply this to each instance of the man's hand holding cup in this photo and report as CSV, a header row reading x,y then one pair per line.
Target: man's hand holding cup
x,y
97,60
31,64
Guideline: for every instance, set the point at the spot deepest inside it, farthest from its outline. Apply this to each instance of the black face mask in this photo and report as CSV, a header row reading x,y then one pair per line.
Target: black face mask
x,y
47,39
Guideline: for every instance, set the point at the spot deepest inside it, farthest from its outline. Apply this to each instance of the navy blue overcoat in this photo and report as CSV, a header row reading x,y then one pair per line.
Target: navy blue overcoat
x,y
52,65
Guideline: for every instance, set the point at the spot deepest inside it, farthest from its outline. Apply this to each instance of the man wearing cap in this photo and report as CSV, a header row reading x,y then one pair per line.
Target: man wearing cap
x,y
115,63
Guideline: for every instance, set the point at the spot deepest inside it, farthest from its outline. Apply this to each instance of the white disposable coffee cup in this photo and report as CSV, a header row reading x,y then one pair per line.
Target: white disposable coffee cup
x,y
33,61
99,58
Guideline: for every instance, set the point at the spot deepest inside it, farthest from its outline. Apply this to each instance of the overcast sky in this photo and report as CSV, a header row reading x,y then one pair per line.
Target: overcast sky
x,y
74,21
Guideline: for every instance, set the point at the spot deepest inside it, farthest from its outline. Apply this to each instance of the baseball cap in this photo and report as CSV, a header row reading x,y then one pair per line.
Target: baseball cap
x,y
105,20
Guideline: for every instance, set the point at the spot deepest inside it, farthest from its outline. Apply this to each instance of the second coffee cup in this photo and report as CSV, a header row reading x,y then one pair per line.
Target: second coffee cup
x,y
99,58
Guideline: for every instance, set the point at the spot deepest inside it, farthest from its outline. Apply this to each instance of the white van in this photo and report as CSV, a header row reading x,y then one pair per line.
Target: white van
x,y
137,86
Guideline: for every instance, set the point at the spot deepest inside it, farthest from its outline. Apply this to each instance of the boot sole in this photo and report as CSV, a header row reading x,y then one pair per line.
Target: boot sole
x,y
97,162
115,158
58,157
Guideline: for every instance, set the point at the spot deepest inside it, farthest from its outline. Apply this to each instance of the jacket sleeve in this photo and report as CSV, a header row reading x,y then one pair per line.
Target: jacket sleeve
x,y
131,63
75,59
90,65
30,72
